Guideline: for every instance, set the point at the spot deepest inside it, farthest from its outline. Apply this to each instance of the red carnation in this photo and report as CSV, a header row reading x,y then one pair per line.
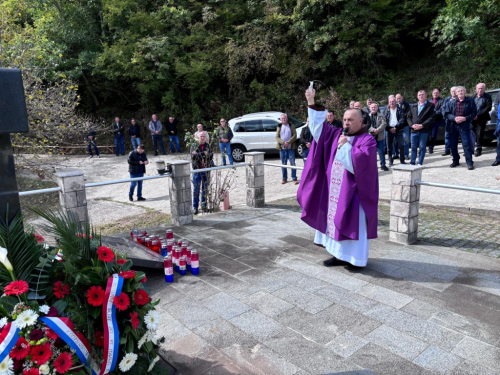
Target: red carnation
x,y
41,353
39,238
122,302
31,371
52,312
105,254
95,295
63,363
121,262
60,290
127,274
18,364
51,335
135,320
99,339
143,280
20,350
16,288
141,297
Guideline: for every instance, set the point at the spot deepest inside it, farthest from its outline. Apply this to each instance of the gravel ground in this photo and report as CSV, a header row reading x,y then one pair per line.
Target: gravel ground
x,y
109,203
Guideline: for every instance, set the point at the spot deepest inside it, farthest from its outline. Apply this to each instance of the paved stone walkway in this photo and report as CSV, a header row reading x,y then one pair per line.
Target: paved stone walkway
x,y
474,233
264,304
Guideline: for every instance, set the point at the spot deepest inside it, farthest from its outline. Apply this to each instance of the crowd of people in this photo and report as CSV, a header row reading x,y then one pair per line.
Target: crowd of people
x,y
405,131
201,152
402,131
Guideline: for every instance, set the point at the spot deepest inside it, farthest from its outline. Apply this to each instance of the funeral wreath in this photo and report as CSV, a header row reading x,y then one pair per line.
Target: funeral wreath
x,y
78,308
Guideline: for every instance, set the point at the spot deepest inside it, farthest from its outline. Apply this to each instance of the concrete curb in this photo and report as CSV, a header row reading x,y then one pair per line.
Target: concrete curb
x,y
472,210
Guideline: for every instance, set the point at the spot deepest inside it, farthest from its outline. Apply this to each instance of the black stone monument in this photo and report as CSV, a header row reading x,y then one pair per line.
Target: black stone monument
x,y
13,119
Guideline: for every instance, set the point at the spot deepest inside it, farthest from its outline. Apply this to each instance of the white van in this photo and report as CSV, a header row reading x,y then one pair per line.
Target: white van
x,y
257,132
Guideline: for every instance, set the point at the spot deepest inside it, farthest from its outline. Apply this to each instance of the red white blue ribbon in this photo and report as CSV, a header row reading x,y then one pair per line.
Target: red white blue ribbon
x,y
64,328
111,334
8,339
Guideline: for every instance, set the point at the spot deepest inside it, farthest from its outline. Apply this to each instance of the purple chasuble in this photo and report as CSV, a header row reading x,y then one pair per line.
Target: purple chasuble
x,y
362,186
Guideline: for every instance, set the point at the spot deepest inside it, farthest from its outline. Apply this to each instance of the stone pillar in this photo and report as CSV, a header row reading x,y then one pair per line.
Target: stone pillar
x,y
255,179
405,196
181,204
72,196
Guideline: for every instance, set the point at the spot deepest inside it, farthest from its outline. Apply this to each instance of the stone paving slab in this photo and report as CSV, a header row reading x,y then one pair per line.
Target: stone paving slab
x,y
269,306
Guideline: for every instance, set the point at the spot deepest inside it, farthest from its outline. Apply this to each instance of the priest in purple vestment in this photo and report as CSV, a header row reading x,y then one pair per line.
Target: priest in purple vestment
x,y
339,189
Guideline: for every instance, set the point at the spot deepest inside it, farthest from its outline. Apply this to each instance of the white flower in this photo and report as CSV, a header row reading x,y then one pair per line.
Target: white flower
x,y
153,363
3,322
44,309
148,336
152,319
4,260
7,366
26,318
127,362
44,369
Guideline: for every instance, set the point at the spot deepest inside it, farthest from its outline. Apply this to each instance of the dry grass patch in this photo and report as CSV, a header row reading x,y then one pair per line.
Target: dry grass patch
x,y
145,220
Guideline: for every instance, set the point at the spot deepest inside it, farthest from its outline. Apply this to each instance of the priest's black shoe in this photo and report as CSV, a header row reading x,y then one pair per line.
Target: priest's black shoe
x,y
130,198
495,163
453,165
384,168
195,211
470,167
141,199
330,262
478,153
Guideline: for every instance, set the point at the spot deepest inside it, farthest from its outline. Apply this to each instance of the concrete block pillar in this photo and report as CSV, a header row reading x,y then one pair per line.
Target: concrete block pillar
x,y
255,179
72,196
405,197
181,204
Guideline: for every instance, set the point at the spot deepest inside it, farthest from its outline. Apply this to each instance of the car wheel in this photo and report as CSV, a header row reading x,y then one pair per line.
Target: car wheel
x,y
237,151
300,149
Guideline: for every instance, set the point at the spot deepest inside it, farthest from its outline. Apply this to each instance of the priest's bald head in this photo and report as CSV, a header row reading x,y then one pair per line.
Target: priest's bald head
x,y
353,120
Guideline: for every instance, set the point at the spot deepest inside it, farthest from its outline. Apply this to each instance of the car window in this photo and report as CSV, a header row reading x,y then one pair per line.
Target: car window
x,y
295,122
270,125
248,126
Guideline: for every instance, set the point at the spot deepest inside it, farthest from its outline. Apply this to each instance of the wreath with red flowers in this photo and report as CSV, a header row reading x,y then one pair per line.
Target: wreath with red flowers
x,y
74,289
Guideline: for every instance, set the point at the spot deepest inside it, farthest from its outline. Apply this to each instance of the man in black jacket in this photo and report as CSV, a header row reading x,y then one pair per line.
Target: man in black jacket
x,y
396,123
483,103
461,112
201,157
405,106
366,117
438,105
119,129
305,140
448,123
420,117
90,139
330,120
134,131
173,137
137,161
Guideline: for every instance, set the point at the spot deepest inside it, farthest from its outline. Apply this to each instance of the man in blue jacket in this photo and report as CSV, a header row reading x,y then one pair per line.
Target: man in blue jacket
x,y
461,112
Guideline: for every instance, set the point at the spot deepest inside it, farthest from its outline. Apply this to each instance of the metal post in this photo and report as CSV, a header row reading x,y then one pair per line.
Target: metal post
x,y
255,179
